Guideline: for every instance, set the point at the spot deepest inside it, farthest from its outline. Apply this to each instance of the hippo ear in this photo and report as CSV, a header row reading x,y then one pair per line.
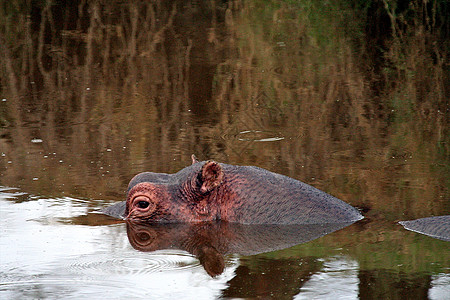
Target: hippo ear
x,y
194,159
212,176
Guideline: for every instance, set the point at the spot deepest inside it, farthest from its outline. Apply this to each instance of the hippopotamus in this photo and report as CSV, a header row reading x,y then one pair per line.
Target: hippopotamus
x,y
208,191
437,227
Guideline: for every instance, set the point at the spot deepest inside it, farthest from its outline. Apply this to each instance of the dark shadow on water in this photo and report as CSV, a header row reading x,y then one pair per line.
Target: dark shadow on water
x,y
209,242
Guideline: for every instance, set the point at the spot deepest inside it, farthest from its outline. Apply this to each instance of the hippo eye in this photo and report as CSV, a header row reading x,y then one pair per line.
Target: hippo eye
x,y
142,204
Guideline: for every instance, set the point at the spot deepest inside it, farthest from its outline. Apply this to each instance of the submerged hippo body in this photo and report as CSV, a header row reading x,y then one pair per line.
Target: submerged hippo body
x,y
437,227
207,191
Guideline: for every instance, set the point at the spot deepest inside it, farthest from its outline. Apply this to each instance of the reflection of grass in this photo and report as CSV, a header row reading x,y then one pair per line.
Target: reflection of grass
x,y
402,118
302,69
4,116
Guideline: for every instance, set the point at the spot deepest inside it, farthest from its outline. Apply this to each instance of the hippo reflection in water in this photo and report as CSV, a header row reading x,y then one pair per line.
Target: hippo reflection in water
x,y
210,241
210,191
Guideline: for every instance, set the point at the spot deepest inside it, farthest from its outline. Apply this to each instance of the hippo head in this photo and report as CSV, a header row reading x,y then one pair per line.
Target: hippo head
x,y
182,197
209,191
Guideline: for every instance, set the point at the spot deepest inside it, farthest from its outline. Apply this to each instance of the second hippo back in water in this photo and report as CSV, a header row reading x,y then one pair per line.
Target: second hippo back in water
x,y
207,191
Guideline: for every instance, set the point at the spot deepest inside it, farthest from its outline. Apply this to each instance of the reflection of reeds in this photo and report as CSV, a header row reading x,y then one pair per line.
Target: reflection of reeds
x,y
109,92
337,125
85,96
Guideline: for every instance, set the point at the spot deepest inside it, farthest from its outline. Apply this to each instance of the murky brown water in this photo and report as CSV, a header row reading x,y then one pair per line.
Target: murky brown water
x,y
350,99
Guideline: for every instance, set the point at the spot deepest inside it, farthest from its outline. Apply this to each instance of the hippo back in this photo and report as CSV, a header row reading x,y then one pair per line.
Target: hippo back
x,y
268,198
437,227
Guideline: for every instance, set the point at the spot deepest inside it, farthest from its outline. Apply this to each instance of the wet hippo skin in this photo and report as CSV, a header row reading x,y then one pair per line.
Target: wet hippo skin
x,y
437,227
207,191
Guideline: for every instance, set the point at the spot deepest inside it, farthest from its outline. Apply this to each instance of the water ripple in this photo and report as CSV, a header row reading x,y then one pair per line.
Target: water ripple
x,y
136,263
255,136
67,288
